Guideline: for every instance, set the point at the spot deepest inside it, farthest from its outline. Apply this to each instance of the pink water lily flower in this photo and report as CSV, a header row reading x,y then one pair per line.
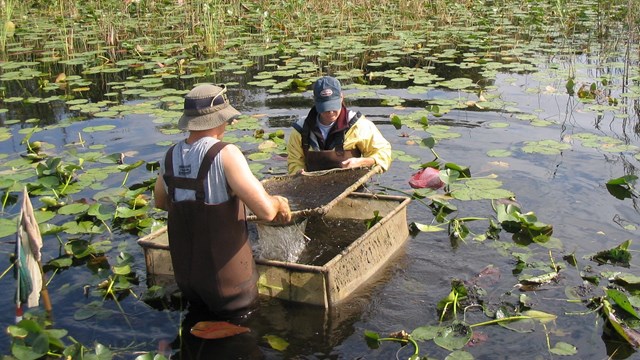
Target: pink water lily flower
x,y
426,178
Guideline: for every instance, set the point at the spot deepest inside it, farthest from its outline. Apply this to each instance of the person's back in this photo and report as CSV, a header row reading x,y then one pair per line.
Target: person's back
x,y
204,185
220,273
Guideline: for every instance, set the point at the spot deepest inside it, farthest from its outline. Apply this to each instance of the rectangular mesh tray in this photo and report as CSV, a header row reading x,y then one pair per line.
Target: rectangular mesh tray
x,y
316,192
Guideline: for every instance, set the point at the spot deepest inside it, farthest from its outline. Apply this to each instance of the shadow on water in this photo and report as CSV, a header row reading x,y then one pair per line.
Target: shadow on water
x,y
188,346
307,329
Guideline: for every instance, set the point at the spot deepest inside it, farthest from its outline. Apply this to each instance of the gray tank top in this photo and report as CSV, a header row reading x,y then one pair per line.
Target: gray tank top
x,y
186,163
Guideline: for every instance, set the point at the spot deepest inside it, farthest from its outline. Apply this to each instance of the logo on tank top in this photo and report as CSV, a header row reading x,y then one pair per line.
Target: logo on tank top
x,y
184,170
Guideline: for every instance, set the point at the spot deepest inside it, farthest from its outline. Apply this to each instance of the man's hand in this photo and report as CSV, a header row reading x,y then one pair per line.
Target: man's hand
x,y
283,216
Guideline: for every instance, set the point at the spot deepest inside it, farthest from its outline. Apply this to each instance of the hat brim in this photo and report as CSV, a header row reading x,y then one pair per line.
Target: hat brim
x,y
329,105
208,121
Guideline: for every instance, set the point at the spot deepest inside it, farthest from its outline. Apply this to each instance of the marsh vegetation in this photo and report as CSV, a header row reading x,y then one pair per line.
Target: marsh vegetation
x,y
530,110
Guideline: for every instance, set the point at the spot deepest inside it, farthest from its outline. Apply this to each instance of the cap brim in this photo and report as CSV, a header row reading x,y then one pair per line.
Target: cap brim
x,y
330,105
208,121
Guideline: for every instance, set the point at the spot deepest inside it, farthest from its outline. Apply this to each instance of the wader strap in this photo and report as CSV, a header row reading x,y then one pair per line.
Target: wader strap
x,y
168,171
197,184
306,130
339,148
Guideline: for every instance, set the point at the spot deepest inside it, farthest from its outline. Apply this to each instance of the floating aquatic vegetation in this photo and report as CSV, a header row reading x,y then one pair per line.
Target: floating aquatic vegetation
x,y
499,153
423,46
547,147
623,187
217,329
619,255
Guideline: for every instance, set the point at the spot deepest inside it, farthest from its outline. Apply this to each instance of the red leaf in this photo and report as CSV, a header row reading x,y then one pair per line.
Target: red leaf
x,y
426,178
217,329
477,338
487,277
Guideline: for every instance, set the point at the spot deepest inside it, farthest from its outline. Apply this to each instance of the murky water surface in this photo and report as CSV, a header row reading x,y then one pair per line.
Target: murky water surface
x,y
564,188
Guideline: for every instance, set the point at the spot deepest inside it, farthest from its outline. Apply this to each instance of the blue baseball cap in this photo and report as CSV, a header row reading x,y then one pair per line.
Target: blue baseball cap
x,y
327,94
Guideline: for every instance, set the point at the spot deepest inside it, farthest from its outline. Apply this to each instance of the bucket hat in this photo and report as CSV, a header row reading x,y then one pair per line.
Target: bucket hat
x,y
327,94
206,107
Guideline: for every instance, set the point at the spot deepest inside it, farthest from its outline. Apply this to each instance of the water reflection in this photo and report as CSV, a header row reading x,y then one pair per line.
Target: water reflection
x,y
242,346
309,330
616,349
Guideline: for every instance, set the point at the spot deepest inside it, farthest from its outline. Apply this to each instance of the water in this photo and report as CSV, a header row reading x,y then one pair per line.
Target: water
x,y
565,190
329,237
282,243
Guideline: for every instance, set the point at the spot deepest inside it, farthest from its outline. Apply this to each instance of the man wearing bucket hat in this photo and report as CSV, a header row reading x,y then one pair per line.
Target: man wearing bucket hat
x,y
331,136
204,183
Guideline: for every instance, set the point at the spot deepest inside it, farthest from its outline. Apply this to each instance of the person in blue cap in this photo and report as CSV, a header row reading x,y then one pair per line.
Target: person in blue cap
x,y
332,136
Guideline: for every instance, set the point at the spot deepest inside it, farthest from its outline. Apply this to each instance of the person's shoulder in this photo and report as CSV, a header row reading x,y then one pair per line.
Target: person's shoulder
x,y
232,156
358,119
299,124
231,148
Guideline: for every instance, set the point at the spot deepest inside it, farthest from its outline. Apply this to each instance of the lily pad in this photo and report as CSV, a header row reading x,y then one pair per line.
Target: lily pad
x,y
478,189
276,342
454,336
563,349
90,129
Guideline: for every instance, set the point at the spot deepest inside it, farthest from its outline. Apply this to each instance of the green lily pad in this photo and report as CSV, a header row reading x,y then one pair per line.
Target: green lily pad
x,y
259,156
563,349
478,189
499,153
459,355
276,342
498,125
453,337
73,209
423,333
91,129
545,147
7,227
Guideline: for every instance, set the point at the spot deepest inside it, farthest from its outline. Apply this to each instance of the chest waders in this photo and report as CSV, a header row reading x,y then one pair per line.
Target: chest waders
x,y
333,153
327,159
210,251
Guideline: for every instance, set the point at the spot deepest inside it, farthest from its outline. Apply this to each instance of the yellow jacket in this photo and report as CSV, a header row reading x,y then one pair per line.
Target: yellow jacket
x,y
361,134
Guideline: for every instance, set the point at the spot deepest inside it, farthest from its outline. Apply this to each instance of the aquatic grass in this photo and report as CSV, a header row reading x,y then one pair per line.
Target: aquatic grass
x,y
7,27
212,20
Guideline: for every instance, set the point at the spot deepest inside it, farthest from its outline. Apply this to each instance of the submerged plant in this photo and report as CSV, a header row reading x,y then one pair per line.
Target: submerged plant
x,y
451,336
617,305
373,341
